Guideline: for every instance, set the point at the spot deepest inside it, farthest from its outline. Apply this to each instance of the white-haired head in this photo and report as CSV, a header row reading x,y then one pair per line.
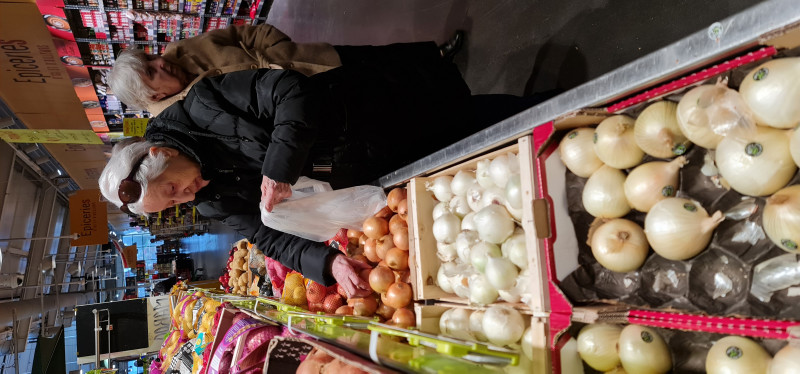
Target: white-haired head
x,y
125,79
125,155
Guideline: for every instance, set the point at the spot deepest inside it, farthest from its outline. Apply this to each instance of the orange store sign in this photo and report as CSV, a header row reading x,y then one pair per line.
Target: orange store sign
x,y
88,217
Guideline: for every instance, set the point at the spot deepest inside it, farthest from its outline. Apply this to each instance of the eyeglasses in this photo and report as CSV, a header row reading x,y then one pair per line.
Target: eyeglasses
x,y
130,190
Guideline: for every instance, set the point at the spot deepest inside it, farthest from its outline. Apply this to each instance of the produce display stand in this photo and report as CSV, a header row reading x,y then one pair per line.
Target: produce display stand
x,y
755,34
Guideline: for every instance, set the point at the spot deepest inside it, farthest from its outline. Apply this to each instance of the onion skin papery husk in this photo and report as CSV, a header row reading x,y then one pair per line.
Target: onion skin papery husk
x,y
577,152
679,229
758,166
735,355
652,182
604,194
597,345
619,245
786,361
614,142
781,218
643,350
693,120
772,92
657,132
794,146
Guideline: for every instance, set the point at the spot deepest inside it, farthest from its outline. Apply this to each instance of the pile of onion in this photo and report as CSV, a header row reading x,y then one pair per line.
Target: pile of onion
x,y
384,245
481,244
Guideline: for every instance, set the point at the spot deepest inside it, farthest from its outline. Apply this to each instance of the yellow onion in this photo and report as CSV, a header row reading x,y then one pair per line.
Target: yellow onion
x,y
707,113
679,229
604,194
794,146
597,345
756,166
772,91
577,152
652,182
737,355
781,218
786,361
657,132
619,245
614,143
642,350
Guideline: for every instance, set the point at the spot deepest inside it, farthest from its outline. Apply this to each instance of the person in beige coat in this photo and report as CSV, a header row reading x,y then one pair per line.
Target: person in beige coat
x,y
142,81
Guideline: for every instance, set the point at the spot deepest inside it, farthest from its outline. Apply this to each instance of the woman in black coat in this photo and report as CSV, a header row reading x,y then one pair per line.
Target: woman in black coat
x,y
243,138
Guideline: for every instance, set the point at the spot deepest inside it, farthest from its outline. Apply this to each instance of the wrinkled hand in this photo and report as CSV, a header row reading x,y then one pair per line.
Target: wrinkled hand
x,y
273,192
346,270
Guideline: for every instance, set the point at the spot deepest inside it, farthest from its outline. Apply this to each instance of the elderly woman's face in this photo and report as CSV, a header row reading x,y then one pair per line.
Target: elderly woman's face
x,y
177,184
164,77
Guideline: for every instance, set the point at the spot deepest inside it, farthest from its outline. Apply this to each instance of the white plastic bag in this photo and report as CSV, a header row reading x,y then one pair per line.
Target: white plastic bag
x,y
316,212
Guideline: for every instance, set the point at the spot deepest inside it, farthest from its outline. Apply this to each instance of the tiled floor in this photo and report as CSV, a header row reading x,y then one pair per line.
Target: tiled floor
x,y
512,46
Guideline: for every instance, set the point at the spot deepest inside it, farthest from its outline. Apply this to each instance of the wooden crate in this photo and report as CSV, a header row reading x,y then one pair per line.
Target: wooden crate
x,y
424,263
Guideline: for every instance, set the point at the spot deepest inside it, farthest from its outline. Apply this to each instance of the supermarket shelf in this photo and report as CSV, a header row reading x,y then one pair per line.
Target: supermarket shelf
x,y
734,34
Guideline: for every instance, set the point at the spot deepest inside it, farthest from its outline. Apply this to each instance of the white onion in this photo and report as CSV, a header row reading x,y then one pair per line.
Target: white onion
x,y
500,170
520,291
441,277
502,326
455,322
794,146
708,112
737,355
446,228
492,195
619,245
514,192
786,361
604,194
514,249
494,224
476,325
527,343
461,181
474,195
480,252
513,163
772,91
781,218
756,166
500,272
439,209
459,206
642,350
467,223
679,229
458,277
464,242
652,182
446,252
577,152
440,186
482,173
515,213
481,292
692,117
614,142
597,345
657,132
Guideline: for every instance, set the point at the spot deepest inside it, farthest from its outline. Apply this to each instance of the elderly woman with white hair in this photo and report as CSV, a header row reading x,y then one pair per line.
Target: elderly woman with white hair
x,y
154,82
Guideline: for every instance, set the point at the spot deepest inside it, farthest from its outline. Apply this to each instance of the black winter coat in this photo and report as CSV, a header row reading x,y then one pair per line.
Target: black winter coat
x,y
365,122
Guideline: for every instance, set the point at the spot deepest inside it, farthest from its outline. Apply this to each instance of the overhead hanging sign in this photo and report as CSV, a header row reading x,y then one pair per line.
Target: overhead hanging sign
x,y
50,136
88,217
